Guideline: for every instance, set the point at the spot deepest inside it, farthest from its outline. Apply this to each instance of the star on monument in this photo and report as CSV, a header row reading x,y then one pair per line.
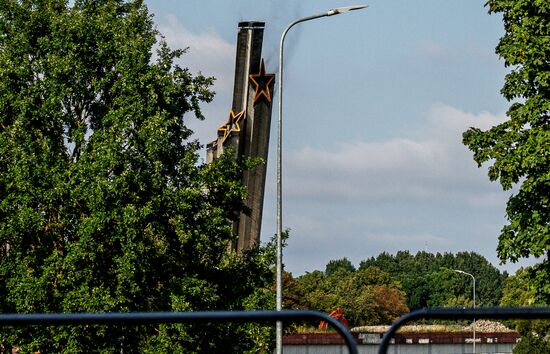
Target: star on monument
x,y
262,82
232,124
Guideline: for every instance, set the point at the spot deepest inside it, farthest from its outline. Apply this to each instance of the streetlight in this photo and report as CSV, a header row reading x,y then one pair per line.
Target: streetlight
x,y
279,270
474,296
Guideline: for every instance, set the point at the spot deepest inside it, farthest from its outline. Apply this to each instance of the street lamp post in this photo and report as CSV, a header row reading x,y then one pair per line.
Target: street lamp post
x,y
279,269
474,297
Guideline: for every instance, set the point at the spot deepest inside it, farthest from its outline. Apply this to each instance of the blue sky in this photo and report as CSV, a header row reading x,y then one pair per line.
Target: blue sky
x,y
375,105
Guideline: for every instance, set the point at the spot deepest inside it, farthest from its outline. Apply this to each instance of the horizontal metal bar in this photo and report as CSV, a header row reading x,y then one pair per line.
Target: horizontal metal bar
x,y
463,313
137,318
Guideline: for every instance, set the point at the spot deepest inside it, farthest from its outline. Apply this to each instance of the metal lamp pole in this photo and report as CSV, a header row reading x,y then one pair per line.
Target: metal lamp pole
x,y
279,270
474,296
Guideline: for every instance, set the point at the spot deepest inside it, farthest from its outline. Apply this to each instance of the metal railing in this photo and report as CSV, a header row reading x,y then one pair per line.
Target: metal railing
x,y
137,318
457,314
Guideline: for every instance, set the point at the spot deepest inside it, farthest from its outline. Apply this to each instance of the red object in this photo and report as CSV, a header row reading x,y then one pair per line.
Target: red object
x,y
336,314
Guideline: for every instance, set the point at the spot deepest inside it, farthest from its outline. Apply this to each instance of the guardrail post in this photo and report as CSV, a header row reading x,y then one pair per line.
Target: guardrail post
x,y
457,313
137,318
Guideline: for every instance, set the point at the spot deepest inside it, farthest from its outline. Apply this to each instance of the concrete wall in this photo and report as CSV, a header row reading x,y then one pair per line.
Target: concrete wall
x,y
403,343
495,348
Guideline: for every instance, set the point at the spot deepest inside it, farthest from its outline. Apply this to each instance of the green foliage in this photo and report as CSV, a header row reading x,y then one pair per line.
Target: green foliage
x,y
429,280
104,206
383,288
518,150
366,297
339,264
532,343
519,292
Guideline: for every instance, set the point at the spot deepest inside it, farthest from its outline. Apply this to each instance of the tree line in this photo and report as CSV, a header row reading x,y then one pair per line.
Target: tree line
x,y
383,288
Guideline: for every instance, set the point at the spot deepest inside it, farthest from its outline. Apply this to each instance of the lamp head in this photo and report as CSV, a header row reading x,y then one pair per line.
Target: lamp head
x,y
341,10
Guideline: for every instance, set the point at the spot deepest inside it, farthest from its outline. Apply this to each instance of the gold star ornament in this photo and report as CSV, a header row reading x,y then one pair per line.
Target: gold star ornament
x,y
262,82
232,124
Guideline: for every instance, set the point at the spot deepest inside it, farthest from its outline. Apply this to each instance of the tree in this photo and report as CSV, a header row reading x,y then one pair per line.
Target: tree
x,y
366,296
489,280
532,343
518,150
518,292
339,264
293,292
104,206
429,280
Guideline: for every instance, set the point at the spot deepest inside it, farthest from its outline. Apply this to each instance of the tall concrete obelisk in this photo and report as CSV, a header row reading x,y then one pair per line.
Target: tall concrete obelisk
x,y
248,127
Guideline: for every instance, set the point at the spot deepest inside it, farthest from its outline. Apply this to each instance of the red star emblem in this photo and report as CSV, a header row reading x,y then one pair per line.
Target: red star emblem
x,y
262,82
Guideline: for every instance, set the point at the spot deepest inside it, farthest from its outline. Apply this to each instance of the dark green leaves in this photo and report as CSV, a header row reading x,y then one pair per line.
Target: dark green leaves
x,y
518,150
104,205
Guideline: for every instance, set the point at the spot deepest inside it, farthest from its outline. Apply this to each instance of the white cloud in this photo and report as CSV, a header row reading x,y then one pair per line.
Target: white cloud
x,y
210,55
458,54
416,242
447,119
208,52
439,52
434,166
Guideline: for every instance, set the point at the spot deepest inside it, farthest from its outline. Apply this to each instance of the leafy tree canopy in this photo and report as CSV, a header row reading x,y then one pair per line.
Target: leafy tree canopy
x,y
366,297
429,279
518,150
518,291
104,205
384,287
343,264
